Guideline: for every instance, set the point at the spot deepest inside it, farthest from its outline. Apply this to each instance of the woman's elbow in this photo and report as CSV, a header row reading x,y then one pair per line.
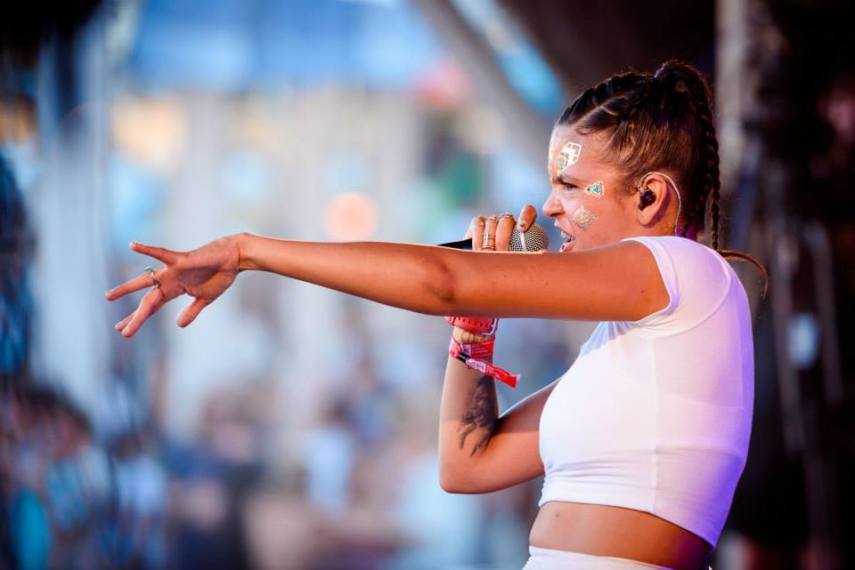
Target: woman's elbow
x,y
452,484
457,482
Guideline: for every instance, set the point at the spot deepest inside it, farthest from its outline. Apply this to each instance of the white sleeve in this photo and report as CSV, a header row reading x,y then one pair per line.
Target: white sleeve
x,y
696,278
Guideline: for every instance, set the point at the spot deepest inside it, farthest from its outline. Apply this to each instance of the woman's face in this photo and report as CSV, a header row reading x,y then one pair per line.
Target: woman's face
x,y
588,200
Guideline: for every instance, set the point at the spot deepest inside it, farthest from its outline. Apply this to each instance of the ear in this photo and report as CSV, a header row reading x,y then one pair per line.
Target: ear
x,y
652,200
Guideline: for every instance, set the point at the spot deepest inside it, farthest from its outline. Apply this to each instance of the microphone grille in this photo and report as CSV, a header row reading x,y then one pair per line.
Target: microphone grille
x,y
534,239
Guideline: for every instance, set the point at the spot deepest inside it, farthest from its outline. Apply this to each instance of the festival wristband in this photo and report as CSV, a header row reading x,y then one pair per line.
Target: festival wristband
x,y
473,355
477,325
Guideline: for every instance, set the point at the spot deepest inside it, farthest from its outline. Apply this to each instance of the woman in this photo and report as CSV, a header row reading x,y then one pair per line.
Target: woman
x,y
644,438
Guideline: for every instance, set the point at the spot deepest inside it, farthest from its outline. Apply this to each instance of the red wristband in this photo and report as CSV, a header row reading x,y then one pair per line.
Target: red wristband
x,y
478,325
478,350
472,355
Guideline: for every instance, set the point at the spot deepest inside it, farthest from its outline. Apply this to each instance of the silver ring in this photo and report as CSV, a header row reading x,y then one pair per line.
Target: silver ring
x,y
154,280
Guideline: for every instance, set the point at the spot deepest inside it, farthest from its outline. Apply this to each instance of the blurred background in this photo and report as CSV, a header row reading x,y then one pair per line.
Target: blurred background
x,y
292,427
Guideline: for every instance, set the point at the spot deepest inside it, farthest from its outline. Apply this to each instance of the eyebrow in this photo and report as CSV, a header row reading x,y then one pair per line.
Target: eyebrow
x,y
567,179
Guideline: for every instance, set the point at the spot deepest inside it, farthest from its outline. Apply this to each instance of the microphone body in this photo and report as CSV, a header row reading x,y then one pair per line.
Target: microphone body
x,y
534,239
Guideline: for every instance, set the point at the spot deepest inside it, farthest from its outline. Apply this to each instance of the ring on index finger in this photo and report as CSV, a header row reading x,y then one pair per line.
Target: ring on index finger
x,y
154,280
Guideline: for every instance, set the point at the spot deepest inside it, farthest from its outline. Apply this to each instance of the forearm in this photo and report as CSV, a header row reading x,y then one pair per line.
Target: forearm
x,y
409,276
468,418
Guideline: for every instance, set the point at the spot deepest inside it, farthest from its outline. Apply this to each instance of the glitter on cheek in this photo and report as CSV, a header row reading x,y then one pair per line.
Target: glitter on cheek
x,y
583,217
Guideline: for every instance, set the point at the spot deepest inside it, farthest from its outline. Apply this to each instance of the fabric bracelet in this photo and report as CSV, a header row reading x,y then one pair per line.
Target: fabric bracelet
x,y
477,350
472,355
477,325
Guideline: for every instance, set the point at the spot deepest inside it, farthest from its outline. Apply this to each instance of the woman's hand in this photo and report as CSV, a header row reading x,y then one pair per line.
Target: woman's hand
x,y
493,233
204,273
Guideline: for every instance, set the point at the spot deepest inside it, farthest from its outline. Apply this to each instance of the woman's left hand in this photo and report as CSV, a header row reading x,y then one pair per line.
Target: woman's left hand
x,y
204,273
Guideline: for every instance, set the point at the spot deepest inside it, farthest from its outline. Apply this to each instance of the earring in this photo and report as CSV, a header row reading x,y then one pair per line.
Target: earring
x,y
647,198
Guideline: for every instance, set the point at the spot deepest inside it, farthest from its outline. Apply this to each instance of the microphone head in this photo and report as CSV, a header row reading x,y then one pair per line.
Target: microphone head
x,y
533,239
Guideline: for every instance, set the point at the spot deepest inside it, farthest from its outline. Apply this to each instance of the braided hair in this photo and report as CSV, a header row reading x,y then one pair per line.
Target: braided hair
x,y
660,121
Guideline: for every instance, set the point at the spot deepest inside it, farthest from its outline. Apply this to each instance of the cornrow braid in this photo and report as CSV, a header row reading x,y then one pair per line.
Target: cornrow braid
x,y
599,94
708,172
708,176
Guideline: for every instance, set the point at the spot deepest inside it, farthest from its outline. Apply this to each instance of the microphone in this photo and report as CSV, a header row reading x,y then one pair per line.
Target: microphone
x,y
533,239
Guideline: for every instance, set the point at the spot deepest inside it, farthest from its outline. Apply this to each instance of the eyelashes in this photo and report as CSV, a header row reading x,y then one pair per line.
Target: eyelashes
x,y
564,185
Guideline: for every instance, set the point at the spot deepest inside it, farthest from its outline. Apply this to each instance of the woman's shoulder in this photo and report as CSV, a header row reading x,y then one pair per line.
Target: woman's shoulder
x,y
684,253
673,242
696,276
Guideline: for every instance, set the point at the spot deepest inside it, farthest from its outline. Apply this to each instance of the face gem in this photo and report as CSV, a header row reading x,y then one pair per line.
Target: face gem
x,y
569,155
597,189
583,217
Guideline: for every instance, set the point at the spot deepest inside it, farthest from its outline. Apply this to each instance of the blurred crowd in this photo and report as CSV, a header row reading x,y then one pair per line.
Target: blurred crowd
x,y
56,482
359,490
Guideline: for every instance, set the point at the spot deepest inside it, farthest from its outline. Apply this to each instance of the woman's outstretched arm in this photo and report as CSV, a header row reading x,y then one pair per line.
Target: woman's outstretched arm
x,y
408,276
615,282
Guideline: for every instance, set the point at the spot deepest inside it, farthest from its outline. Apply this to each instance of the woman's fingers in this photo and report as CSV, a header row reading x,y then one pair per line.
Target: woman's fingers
x,y
129,286
490,224
189,314
504,230
123,323
495,232
527,217
165,255
476,232
148,306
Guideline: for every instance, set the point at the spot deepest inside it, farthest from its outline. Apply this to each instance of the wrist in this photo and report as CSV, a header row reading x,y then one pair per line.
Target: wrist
x,y
463,351
244,241
463,335
479,356
478,325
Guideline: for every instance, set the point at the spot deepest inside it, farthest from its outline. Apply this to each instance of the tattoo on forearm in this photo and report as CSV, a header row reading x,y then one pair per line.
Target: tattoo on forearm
x,y
482,413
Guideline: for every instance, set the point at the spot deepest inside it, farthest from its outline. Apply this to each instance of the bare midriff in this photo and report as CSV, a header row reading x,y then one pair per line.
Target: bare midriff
x,y
605,530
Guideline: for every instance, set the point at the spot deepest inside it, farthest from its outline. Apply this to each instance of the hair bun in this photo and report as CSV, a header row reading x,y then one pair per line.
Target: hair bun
x,y
673,69
681,77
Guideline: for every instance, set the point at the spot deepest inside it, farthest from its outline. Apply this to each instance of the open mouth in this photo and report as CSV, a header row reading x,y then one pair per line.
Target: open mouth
x,y
568,242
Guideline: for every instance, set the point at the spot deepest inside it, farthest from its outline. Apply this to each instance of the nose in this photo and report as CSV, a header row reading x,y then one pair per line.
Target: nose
x,y
552,206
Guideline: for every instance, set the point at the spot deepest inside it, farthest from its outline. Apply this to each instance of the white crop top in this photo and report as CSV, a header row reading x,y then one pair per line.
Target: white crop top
x,y
655,414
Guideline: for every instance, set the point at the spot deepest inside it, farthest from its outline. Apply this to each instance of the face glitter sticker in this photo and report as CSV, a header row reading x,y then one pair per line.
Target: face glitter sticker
x,y
583,217
569,155
597,189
